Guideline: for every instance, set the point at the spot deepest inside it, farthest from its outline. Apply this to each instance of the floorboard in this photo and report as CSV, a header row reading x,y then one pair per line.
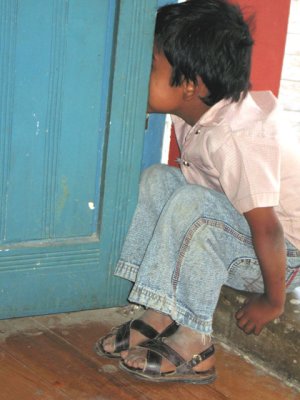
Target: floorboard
x,y
19,382
52,357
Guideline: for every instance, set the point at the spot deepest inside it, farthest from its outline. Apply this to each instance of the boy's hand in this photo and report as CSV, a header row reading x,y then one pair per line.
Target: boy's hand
x,y
256,313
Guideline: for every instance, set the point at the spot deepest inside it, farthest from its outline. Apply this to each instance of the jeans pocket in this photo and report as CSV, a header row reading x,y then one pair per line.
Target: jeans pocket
x,y
245,274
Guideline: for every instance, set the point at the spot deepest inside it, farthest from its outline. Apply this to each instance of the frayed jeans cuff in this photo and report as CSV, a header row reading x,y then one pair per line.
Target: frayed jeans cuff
x,y
162,303
126,270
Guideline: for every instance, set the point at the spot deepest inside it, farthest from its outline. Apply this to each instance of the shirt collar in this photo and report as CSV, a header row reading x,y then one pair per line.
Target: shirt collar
x,y
225,109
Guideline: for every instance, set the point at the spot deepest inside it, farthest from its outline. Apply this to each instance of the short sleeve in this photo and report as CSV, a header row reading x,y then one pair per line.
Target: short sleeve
x,y
249,171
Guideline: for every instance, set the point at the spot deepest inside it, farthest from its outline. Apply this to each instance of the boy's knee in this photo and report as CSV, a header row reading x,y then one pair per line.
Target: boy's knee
x,y
190,193
192,197
152,172
156,175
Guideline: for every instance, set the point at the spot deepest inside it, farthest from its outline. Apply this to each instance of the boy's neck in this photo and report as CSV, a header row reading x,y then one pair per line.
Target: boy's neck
x,y
193,112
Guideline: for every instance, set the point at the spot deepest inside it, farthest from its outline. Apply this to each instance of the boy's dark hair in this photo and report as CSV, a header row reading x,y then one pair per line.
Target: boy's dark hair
x,y
208,39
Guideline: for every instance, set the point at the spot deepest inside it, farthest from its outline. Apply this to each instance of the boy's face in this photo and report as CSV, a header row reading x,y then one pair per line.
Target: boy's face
x,y
163,98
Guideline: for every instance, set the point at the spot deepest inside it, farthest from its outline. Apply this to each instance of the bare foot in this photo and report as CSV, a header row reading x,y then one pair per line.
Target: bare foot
x,y
155,319
185,342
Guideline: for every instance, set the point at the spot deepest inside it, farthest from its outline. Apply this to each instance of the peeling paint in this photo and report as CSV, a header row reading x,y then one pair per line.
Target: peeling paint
x,y
91,205
37,131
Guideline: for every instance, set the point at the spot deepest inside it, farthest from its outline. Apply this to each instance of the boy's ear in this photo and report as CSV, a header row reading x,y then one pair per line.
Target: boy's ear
x,y
190,89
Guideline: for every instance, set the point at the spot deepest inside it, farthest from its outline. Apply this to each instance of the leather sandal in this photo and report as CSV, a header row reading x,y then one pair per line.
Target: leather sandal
x,y
184,372
122,336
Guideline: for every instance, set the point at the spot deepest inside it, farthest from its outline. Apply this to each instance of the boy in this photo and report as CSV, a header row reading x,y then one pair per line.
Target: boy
x,y
230,215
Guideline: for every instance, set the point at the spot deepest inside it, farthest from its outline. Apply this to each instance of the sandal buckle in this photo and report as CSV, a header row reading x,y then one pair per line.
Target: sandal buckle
x,y
196,359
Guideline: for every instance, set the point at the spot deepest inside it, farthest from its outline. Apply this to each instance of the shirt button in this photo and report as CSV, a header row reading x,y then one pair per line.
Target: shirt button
x,y
197,132
186,163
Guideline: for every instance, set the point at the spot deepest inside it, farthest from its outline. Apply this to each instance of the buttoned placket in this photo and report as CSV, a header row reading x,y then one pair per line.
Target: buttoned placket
x,y
182,160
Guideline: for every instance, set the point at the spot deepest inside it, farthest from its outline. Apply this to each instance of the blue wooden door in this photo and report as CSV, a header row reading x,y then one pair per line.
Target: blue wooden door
x,y
73,90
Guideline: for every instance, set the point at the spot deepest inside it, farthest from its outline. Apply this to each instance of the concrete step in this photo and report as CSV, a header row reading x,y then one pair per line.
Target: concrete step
x,y
277,348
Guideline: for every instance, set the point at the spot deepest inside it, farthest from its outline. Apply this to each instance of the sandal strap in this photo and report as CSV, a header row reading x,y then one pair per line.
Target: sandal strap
x,y
122,337
156,350
123,333
188,366
169,330
144,328
153,363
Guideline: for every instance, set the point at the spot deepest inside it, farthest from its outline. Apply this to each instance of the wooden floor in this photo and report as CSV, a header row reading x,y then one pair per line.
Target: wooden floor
x,y
52,358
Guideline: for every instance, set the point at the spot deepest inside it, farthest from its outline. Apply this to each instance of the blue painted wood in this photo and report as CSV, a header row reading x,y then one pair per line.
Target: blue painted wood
x,y
55,127
72,105
127,123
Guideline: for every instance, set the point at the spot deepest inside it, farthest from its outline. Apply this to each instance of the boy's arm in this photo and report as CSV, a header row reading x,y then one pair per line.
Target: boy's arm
x,y
269,244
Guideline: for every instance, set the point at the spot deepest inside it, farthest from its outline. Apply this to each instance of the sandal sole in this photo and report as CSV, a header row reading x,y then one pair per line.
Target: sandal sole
x,y
196,379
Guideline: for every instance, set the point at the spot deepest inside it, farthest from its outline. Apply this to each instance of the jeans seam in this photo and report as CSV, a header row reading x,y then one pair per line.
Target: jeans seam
x,y
293,253
242,260
125,269
189,236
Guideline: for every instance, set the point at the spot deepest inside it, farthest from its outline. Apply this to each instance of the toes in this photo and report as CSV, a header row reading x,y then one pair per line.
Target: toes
x,y
124,354
108,345
136,358
138,362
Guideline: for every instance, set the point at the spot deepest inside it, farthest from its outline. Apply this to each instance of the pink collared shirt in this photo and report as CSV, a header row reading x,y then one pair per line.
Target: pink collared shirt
x,y
245,151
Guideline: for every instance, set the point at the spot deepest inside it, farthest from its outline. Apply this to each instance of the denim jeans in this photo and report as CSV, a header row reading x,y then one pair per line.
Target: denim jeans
x,y
184,243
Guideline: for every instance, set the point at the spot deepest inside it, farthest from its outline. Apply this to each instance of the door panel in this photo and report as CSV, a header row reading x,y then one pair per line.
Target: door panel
x,y
58,111
73,93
